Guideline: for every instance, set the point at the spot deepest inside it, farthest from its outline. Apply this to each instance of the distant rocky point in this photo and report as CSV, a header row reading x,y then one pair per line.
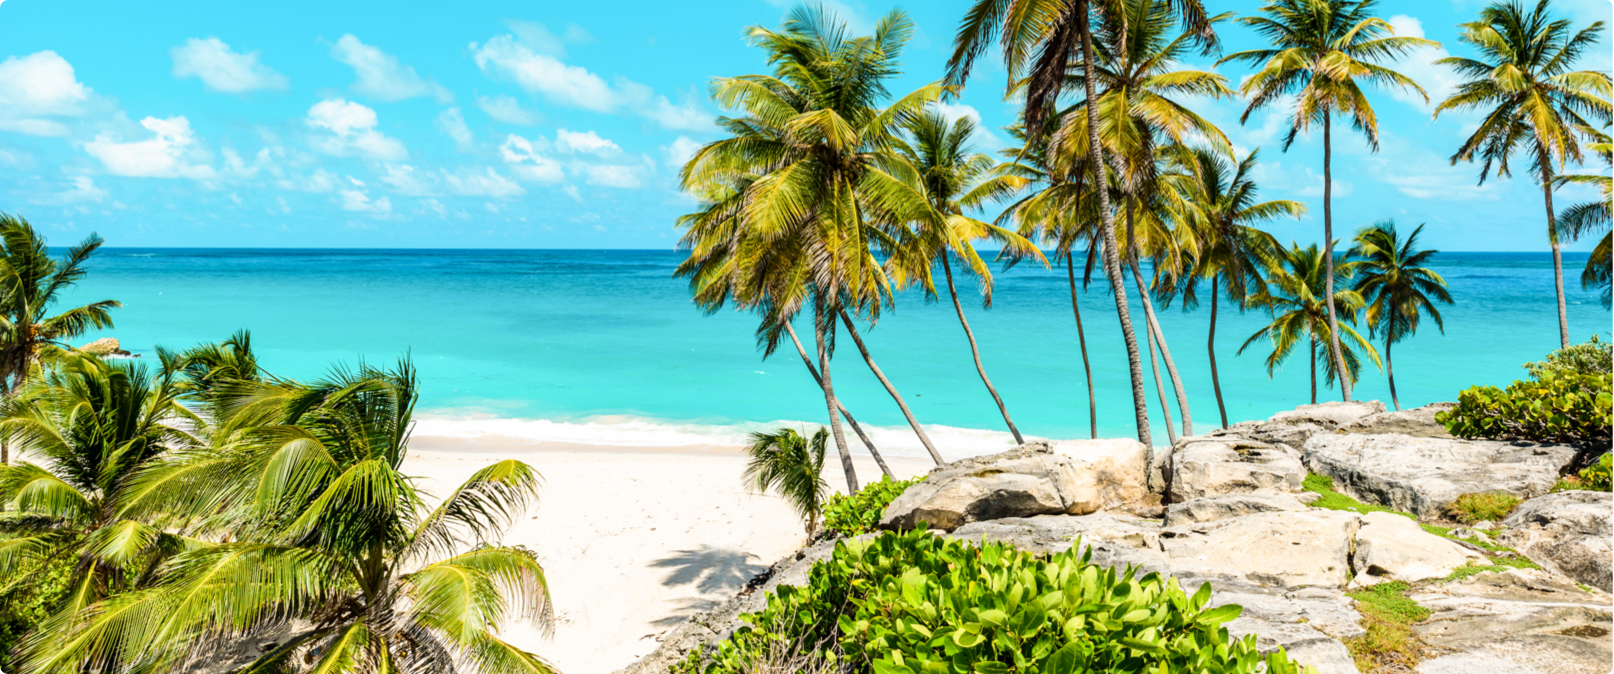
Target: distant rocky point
x,y
106,347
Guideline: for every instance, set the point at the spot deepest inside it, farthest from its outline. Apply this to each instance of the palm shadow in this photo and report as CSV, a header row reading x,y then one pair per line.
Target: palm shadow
x,y
710,569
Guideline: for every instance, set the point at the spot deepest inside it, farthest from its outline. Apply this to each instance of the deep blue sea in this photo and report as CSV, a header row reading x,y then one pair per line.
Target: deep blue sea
x,y
605,346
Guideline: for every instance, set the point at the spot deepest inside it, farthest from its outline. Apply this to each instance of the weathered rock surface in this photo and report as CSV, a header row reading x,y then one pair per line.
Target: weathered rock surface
x,y
1108,474
1521,621
1028,480
1568,532
1418,422
1228,506
105,346
1283,549
1330,414
1424,475
1213,466
1392,547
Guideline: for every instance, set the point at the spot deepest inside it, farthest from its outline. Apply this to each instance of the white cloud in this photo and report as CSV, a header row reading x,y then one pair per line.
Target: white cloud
x,y
1422,174
352,131
435,206
281,206
410,181
486,183
359,202
41,84
381,76
507,109
529,161
984,139
1419,64
571,191
320,181
540,39
584,142
1295,180
83,190
166,155
452,123
680,151
407,180
608,175
222,69
536,71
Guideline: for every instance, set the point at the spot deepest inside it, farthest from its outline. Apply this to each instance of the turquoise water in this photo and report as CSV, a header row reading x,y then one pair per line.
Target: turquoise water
x,y
604,346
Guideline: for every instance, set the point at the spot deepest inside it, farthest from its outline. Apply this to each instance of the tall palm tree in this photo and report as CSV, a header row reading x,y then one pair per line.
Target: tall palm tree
x,y
794,466
1523,79
952,178
1294,296
785,226
332,545
1217,199
31,283
845,413
1396,286
1321,51
1588,218
1060,31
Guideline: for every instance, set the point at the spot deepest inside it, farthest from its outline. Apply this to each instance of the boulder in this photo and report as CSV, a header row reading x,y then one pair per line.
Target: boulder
x,y
1567,532
1025,481
1329,415
1424,475
1307,623
1213,466
1273,549
1418,422
1109,474
105,346
1227,506
1521,621
1392,547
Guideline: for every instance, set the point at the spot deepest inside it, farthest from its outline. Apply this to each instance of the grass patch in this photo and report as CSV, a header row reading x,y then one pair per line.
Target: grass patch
x,y
1333,500
1482,507
1387,615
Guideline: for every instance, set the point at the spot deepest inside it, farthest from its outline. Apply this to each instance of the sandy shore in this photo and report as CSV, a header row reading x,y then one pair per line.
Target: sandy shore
x,y
633,539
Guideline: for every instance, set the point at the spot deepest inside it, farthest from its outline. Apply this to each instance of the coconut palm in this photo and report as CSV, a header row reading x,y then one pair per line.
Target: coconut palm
x,y
1059,32
332,548
1293,295
792,465
207,367
1588,218
1397,287
1322,51
1534,101
1216,198
31,283
951,177
786,225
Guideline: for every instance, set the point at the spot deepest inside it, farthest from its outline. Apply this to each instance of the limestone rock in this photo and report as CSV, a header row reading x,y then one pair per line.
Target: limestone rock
x,y
1202,467
1423,475
1109,473
105,346
1275,549
1227,506
1393,547
1331,414
1567,532
1516,622
1417,422
1025,481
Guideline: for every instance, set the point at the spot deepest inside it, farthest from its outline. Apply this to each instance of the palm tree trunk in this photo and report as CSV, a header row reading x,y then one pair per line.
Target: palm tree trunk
x,y
1210,345
1112,254
1557,253
808,361
975,351
1144,291
1328,260
1389,370
1081,338
1165,407
906,413
824,331
1314,369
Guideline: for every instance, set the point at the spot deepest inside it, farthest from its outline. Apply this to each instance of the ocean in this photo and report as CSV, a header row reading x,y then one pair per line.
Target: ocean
x,y
604,346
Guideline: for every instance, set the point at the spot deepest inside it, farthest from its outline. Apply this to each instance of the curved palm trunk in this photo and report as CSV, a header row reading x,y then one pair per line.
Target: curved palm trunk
x,y
1160,388
1389,370
1328,261
808,361
976,352
917,429
1112,255
1153,324
1313,369
826,346
1210,345
1081,338
1557,253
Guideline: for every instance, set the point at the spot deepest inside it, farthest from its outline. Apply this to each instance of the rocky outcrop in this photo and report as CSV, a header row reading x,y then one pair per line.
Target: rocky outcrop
x,y
105,346
1424,475
1031,479
1521,621
1280,549
1228,506
1108,473
1213,466
1329,415
1568,532
1392,547
1418,422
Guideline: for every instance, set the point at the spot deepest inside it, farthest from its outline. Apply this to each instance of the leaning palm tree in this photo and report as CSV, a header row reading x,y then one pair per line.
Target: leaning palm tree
x,y
31,283
332,548
1322,51
1523,78
1060,32
1294,296
1588,218
1396,286
793,466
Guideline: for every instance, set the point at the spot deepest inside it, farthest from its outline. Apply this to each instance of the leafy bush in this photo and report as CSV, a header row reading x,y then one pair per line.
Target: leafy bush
x,y
1482,507
913,603
861,512
1597,477
27,599
1560,407
1590,357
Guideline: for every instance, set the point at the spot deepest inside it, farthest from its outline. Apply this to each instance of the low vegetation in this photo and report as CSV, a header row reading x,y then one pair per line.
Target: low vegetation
x,y
1596,477
1482,507
860,513
1567,400
1387,615
1333,500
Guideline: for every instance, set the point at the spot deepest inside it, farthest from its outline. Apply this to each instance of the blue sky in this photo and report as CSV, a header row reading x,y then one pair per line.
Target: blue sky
x,y
548,125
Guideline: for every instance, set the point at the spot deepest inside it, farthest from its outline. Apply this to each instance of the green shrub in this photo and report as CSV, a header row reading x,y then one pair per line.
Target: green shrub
x,y
1567,408
1482,507
861,512
27,599
1387,617
1595,477
913,603
1591,357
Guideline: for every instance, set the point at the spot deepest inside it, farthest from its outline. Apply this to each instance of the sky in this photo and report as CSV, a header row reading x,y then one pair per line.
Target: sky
x,y
562,125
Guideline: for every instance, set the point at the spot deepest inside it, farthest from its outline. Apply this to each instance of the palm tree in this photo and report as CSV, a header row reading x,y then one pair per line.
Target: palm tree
x,y
332,545
1589,218
1059,31
951,177
207,367
1523,79
1396,285
845,413
1217,198
786,224
31,283
1293,293
1321,50
793,465
92,426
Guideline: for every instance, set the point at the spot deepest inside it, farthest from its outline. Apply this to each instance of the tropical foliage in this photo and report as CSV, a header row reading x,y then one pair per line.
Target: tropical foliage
x,y
1557,407
1294,297
1397,287
861,512
794,467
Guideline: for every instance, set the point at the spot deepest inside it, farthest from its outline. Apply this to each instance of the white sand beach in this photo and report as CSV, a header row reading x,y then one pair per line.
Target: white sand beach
x,y
633,539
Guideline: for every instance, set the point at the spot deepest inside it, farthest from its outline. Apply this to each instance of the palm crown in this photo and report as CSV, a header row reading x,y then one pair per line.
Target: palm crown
x,y
31,282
